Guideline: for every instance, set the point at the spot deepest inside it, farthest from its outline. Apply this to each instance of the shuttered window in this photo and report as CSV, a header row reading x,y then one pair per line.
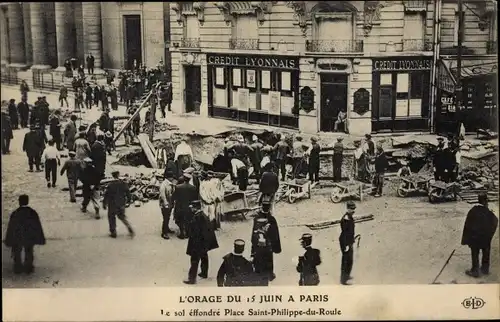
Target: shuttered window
x,y
246,27
192,27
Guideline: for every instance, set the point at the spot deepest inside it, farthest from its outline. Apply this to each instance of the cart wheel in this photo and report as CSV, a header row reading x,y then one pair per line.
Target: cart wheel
x,y
433,195
291,195
401,190
336,195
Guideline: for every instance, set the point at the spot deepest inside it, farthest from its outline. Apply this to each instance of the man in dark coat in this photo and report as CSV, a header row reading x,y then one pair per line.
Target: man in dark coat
x,y
282,150
314,161
235,269
35,115
7,133
381,165
55,129
88,96
202,239
307,265
24,112
104,121
346,241
24,231
98,155
265,242
268,185
184,194
171,167
72,167
113,98
90,60
44,112
24,90
338,156
14,117
116,197
33,145
257,155
479,228
90,179
163,95
437,161
97,95
70,133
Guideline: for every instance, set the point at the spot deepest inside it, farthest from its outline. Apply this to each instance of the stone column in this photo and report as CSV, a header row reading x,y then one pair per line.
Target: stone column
x,y
16,35
4,36
91,14
27,33
39,36
64,27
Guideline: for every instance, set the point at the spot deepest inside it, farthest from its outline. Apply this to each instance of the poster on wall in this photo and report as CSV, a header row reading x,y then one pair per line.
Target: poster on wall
x,y
274,103
266,79
286,81
385,79
236,77
219,76
401,108
251,78
415,107
243,99
264,102
287,103
403,82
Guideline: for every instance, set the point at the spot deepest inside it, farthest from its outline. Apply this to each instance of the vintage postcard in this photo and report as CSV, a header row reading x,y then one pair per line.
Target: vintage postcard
x,y
250,160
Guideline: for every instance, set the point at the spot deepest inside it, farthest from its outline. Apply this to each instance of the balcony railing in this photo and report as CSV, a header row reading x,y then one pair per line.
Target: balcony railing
x,y
341,46
242,43
491,47
190,43
415,5
417,45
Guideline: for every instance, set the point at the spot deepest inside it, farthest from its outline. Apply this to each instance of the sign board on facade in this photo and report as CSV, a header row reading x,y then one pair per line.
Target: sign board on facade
x,y
243,99
400,64
361,103
279,62
445,80
274,103
307,99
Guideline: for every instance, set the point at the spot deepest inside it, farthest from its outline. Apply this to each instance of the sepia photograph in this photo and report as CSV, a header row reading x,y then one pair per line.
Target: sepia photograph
x,y
290,150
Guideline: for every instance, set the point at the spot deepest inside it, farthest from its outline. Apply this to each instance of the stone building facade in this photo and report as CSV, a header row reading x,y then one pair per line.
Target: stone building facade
x,y
42,35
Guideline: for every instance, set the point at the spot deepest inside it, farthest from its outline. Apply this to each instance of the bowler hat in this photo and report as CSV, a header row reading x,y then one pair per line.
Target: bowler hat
x,y
351,205
368,136
196,203
72,153
115,173
306,236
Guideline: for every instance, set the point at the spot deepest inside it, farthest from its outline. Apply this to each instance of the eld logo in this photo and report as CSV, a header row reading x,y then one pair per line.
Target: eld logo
x,y
473,303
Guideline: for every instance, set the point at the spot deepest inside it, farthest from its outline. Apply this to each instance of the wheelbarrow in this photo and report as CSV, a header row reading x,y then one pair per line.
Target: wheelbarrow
x,y
441,191
297,189
350,189
412,184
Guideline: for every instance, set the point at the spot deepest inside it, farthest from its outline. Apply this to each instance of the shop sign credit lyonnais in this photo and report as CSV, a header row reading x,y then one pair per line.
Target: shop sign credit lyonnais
x,y
402,64
281,62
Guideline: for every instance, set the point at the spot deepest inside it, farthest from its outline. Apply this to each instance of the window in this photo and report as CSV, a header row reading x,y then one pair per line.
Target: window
x,y
341,40
245,33
192,27
413,38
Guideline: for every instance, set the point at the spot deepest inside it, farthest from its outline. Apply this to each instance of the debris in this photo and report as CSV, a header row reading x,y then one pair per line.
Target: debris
x,y
148,149
331,223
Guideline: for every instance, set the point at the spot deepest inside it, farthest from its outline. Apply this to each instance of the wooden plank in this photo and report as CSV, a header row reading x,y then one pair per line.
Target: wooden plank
x,y
143,141
334,222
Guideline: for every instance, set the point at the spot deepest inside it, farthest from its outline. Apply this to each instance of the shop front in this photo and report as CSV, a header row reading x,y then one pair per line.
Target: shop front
x,y
257,89
400,94
478,108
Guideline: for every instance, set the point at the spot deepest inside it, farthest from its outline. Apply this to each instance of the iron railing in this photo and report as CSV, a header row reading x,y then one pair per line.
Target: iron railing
x,y
45,80
9,76
491,47
417,45
343,46
415,4
190,43
242,43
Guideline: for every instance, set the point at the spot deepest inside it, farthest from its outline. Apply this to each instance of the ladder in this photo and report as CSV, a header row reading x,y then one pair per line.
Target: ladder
x,y
144,101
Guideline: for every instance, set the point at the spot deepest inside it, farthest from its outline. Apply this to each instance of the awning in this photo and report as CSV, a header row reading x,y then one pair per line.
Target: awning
x,y
445,79
474,68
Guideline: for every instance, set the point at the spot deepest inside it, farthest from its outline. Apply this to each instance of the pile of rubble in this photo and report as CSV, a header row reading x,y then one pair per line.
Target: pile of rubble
x,y
159,127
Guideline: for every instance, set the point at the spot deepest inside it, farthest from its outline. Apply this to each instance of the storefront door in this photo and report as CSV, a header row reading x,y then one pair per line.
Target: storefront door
x,y
192,92
133,44
333,99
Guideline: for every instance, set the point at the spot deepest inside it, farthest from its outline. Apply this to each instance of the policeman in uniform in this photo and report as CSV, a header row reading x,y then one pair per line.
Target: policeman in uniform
x,y
346,241
308,262
235,270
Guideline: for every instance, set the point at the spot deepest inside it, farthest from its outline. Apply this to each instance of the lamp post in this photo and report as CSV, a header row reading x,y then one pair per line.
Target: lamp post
x,y
458,88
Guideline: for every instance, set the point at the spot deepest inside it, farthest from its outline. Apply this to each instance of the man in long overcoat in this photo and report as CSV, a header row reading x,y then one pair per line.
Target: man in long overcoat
x,y
7,133
307,265
14,117
479,228
33,145
55,129
183,195
24,231
115,199
202,239
98,155
265,242
24,112
235,269
70,133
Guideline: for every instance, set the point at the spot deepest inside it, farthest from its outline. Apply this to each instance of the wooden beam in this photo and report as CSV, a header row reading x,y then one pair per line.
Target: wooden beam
x,y
145,145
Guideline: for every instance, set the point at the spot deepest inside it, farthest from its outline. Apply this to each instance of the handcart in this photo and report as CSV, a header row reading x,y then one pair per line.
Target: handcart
x,y
440,191
297,189
350,189
413,183
235,203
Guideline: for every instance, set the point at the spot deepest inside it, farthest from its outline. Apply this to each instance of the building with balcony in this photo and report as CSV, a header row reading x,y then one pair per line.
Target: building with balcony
x,y
42,35
479,73
297,64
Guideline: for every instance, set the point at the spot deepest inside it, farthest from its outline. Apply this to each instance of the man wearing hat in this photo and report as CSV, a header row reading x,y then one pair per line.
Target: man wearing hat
x,y
235,269
44,112
338,157
299,149
282,150
63,95
70,133
256,155
90,179
35,111
166,203
479,228
24,112
33,145
202,239
268,185
13,114
183,156
72,167
55,129
438,159
115,199
307,265
81,147
381,165
7,133
98,155
346,241
183,195
265,242
314,162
